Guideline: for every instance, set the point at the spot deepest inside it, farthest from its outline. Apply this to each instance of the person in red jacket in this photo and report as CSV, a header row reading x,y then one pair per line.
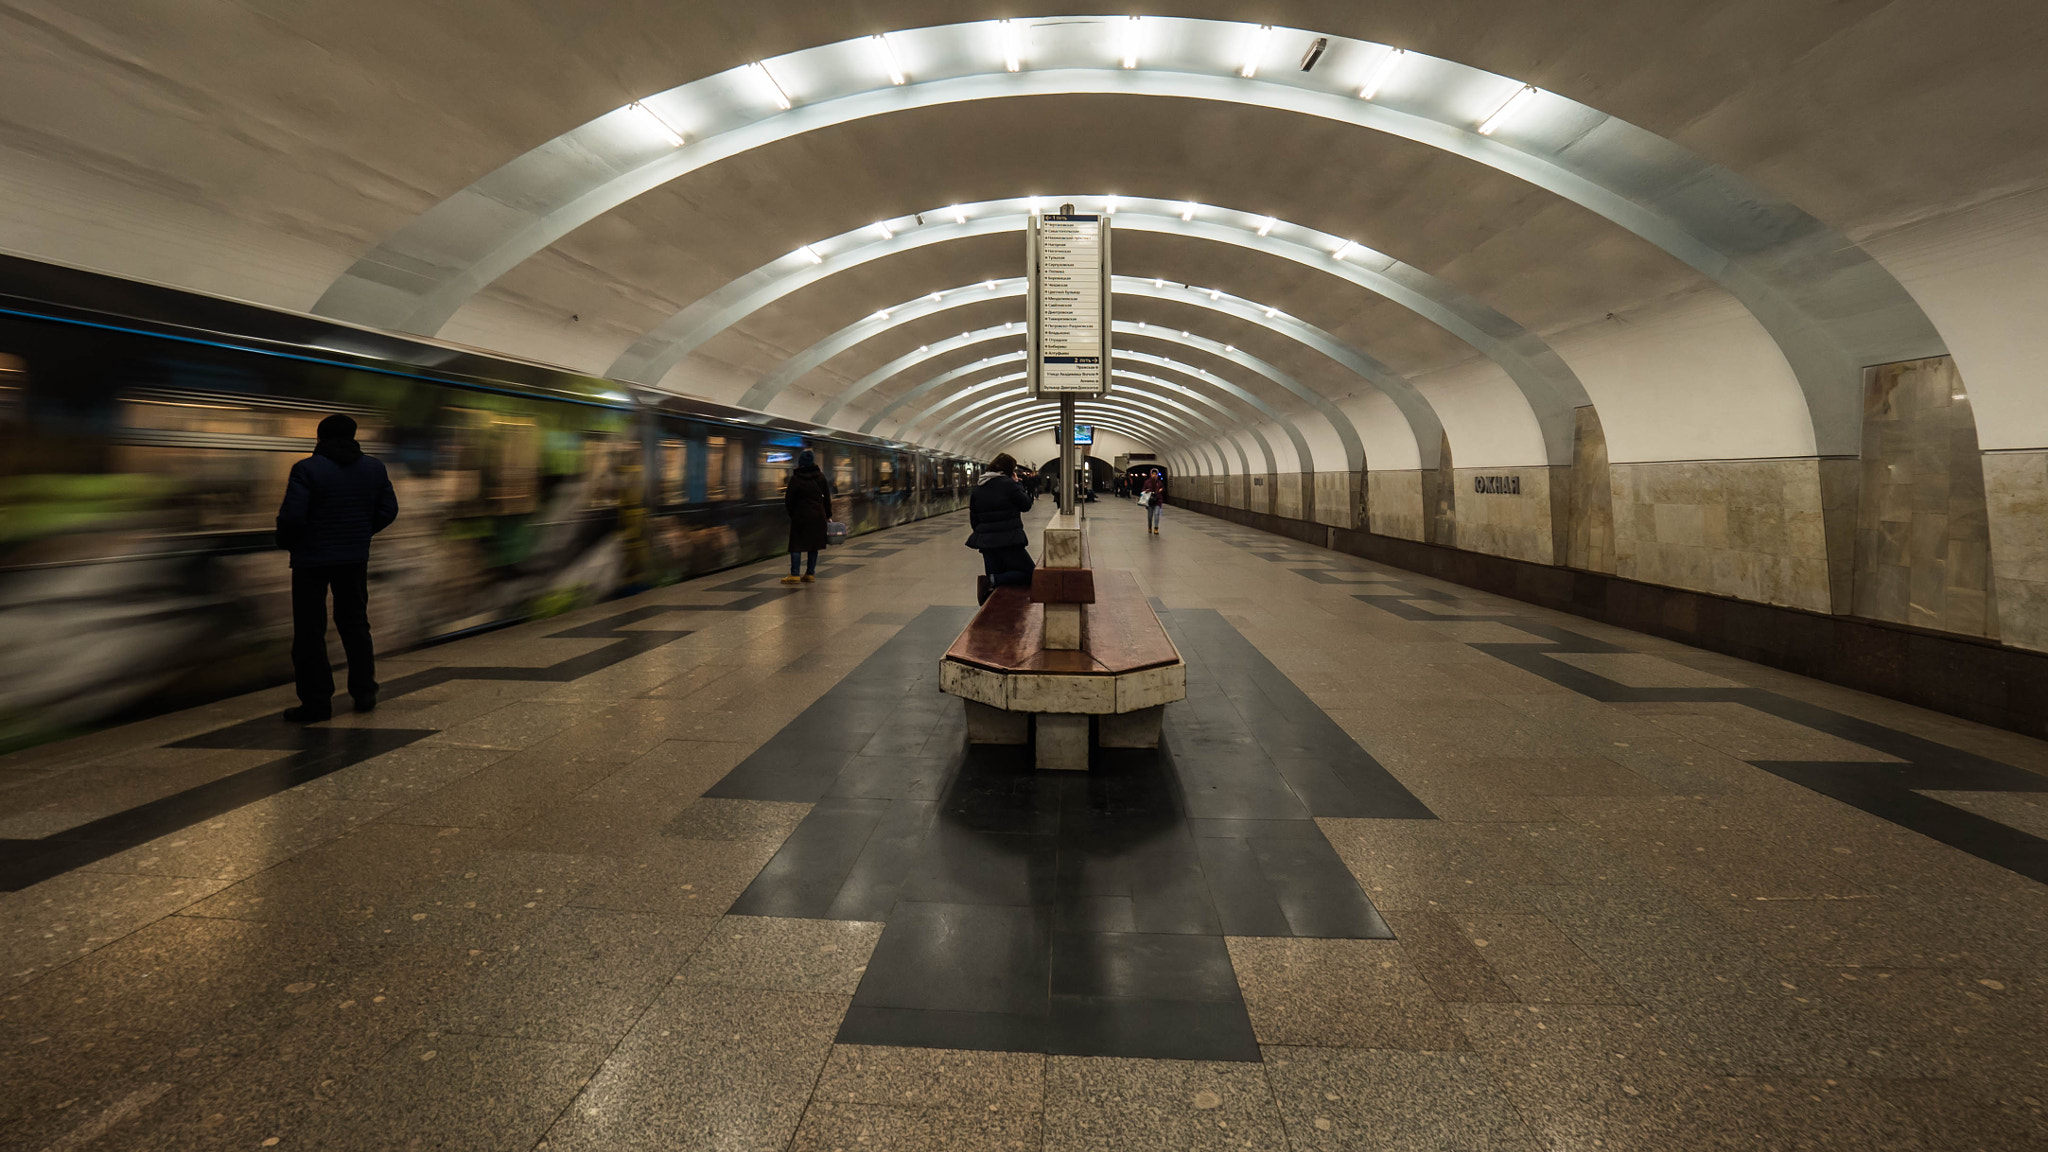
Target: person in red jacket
x,y
1155,499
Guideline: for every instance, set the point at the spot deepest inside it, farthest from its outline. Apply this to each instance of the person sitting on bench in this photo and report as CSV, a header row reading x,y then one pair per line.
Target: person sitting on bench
x,y
995,511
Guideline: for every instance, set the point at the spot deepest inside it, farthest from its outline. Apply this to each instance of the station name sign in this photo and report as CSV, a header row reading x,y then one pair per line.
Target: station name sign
x,y
1068,338
1497,485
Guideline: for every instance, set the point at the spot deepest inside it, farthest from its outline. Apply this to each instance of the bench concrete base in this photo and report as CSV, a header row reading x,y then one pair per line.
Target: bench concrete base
x,y
1062,737
1062,741
1138,729
986,725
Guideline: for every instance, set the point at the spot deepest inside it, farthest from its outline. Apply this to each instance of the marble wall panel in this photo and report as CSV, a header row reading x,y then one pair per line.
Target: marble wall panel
x,y
1751,529
1922,551
1394,503
1339,500
1589,542
1287,495
2016,500
1506,512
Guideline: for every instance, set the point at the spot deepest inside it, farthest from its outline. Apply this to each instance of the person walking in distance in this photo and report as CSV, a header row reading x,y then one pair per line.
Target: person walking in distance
x,y
995,512
334,501
808,499
1155,499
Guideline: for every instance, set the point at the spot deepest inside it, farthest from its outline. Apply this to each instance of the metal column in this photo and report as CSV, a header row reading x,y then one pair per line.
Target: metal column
x,y
1067,452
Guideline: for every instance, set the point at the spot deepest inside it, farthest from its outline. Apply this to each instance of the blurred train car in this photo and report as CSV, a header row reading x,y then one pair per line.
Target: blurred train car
x,y
145,435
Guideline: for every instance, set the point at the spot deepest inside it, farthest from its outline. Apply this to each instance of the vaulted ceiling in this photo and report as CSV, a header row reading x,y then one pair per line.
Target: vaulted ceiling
x,y
263,148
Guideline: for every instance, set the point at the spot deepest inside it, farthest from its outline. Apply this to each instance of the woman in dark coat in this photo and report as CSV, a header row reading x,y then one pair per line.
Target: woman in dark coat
x,y
995,511
808,499
1155,504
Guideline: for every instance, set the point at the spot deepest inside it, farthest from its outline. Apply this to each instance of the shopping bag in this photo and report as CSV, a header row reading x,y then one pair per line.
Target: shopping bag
x,y
835,532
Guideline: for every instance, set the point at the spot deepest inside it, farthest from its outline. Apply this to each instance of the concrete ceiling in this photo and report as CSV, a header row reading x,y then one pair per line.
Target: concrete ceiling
x,y
328,127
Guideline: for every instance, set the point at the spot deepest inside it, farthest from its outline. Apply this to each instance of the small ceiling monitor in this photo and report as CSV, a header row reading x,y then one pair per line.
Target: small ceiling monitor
x,y
1084,433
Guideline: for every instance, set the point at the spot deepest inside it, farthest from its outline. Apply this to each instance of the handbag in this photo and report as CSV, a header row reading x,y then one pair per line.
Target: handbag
x,y
1145,499
835,532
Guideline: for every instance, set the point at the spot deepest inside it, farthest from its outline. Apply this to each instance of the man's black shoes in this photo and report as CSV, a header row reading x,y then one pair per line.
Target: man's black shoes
x,y
366,703
305,715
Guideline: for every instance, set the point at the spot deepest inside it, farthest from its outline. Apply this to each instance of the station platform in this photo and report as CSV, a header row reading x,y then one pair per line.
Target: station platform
x,y
714,867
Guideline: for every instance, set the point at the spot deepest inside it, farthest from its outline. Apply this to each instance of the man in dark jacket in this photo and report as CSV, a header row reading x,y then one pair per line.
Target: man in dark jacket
x,y
995,511
335,500
808,500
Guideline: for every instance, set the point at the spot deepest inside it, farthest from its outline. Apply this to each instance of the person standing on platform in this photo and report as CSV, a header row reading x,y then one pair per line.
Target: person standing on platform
x,y
334,501
995,512
808,497
1155,499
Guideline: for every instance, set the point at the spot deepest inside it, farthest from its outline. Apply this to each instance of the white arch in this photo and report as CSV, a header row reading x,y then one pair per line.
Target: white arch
x,y
1422,419
1830,307
1157,403
1021,422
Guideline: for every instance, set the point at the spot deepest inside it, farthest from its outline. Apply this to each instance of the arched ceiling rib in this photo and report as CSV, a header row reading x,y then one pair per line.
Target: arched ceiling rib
x,y
1545,381
1422,419
1160,403
1828,305
1024,423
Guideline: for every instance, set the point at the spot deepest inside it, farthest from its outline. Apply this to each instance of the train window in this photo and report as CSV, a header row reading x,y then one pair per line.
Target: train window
x,y
772,468
885,473
725,471
514,482
842,470
674,471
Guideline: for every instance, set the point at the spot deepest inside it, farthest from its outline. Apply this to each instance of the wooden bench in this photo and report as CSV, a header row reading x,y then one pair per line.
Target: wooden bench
x,y
1122,676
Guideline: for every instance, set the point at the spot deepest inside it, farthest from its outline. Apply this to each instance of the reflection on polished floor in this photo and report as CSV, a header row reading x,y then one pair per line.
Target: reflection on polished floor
x,y
1418,867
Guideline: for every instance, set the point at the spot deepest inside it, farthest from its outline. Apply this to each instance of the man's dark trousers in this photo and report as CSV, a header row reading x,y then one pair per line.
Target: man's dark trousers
x,y
351,584
1007,567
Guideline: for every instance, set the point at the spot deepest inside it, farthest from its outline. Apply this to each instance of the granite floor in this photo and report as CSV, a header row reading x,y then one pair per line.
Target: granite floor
x,y
1418,868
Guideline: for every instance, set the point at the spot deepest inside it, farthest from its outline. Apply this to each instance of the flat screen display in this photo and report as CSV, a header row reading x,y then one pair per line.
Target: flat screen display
x,y
1084,433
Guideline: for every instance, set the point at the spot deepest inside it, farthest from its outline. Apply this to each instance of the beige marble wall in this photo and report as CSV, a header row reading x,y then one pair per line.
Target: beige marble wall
x,y
1745,528
1287,495
1923,548
1590,522
1234,491
1394,503
1337,499
1517,525
2016,499
1440,499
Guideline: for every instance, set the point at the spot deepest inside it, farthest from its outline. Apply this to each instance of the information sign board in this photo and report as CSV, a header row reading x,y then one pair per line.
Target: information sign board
x,y
1068,262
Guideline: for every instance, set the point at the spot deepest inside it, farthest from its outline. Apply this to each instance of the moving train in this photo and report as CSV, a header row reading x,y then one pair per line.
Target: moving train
x,y
145,435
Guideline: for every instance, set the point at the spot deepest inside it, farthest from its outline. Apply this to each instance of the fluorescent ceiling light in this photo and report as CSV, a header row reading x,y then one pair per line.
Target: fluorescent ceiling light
x,y
888,58
935,297
989,284
922,347
882,226
1266,225
882,315
1255,50
1270,312
1008,31
1187,211
1034,205
812,253
1141,324
1111,202
1342,250
1230,347
959,217
1131,28
1215,294
770,85
1382,72
1158,282
648,117
1508,108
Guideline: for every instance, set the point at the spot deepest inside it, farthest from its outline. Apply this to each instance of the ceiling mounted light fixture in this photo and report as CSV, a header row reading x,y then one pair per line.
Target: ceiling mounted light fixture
x,y
1255,50
1131,29
1508,108
1159,282
1270,312
1111,205
935,297
1187,211
989,284
811,252
1230,347
1343,250
882,226
1382,72
882,315
1215,294
1008,31
959,217
1034,205
1314,53
923,347
1266,225
770,85
887,55
653,120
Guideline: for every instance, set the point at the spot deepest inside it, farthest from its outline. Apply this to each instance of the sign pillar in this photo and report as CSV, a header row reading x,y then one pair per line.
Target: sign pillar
x,y
1067,327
